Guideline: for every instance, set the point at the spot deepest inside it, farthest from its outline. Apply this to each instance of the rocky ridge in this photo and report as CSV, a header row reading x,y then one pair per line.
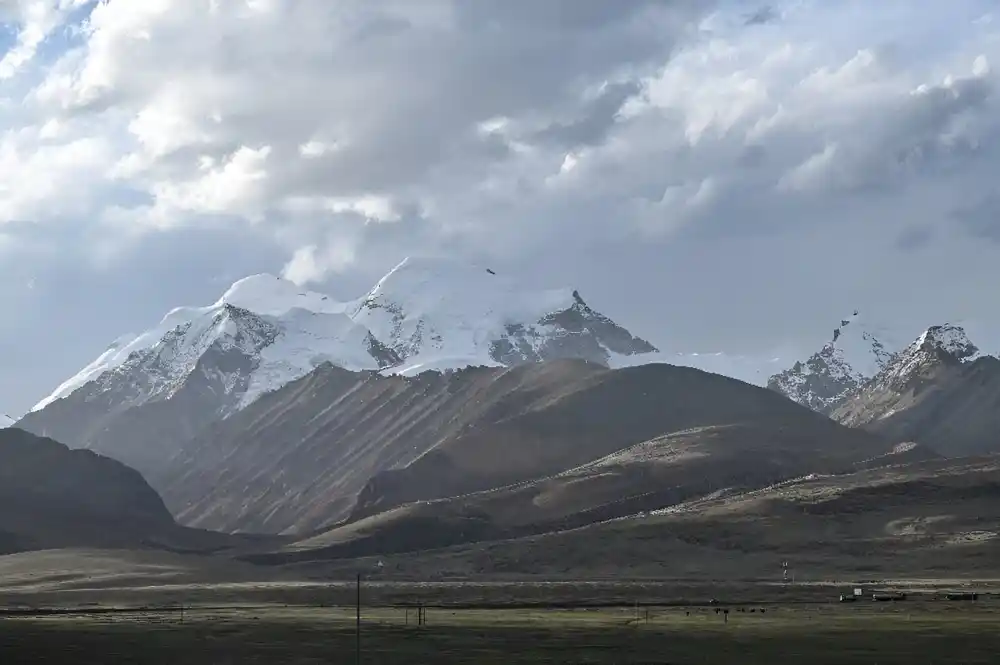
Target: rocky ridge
x,y
850,358
940,391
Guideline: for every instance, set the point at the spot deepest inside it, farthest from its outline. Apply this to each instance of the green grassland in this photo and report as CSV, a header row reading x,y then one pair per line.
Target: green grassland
x,y
920,630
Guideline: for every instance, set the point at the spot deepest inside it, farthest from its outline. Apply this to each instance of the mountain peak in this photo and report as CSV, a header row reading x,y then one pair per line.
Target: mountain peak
x,y
940,391
426,312
948,338
859,354
271,295
446,309
865,347
855,352
944,343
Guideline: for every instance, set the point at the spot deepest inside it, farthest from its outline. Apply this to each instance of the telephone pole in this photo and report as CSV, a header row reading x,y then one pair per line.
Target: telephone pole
x,y
357,634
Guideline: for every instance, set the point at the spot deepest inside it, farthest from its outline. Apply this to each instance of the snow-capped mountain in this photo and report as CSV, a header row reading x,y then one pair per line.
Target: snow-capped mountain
x,y
946,343
262,333
940,390
855,353
436,314
425,314
201,364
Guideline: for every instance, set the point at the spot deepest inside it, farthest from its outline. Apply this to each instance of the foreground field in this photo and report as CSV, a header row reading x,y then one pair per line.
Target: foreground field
x,y
86,607
924,631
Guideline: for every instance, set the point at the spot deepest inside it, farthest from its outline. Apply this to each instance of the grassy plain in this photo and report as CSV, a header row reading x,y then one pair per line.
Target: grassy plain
x,y
922,629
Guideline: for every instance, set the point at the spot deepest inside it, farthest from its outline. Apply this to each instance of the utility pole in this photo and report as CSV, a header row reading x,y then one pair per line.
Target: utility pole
x,y
357,634
357,631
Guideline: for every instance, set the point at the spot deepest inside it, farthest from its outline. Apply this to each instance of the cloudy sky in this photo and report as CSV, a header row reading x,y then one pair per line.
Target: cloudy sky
x,y
718,176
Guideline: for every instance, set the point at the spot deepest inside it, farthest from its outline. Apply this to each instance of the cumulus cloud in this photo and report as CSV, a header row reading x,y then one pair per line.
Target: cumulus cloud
x,y
35,21
270,111
744,172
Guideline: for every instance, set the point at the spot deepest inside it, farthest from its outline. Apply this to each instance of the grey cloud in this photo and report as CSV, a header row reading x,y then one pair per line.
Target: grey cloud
x,y
901,144
560,15
508,71
382,27
765,14
596,120
910,137
508,58
752,156
915,237
981,219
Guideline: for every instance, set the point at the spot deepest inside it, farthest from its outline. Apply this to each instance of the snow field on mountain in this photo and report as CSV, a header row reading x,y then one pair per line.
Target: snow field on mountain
x,y
430,313
449,309
442,314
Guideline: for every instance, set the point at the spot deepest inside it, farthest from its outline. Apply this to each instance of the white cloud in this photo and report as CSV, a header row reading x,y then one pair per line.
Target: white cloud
x,y
35,21
812,173
230,185
46,181
316,148
492,118
247,110
312,263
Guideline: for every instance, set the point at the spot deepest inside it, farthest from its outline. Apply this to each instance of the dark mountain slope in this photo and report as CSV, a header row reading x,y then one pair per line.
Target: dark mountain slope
x,y
297,459
930,519
649,476
597,416
54,497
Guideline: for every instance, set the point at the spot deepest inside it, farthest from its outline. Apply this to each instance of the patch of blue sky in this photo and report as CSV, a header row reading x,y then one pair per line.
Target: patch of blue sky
x,y
71,34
